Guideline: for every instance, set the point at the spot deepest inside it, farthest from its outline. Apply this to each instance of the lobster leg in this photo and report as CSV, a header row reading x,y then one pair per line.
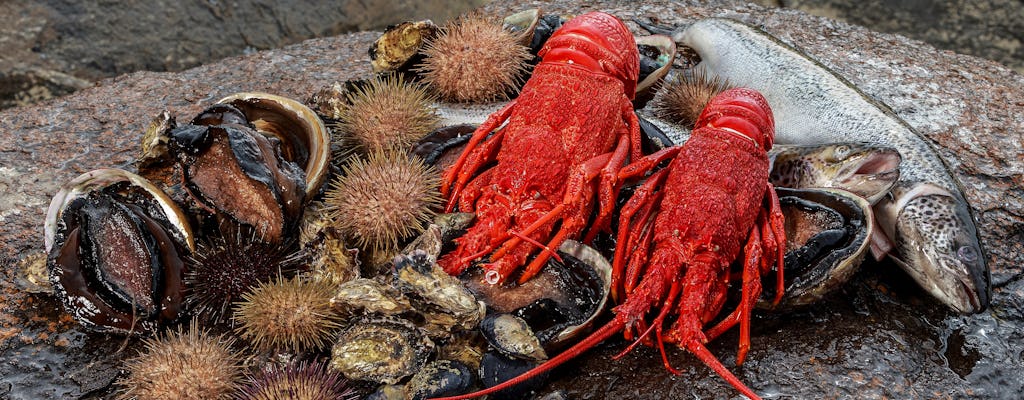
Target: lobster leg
x,y
474,161
686,331
609,189
473,191
576,199
493,122
777,226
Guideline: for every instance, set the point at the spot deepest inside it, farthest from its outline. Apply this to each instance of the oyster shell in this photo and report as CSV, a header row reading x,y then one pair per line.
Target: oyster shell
x,y
381,350
115,244
399,48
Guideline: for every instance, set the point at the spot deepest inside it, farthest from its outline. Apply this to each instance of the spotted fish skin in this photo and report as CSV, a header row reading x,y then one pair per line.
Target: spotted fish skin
x,y
927,218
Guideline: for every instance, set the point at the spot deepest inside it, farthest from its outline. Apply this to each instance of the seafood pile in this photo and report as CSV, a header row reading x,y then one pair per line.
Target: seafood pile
x,y
412,235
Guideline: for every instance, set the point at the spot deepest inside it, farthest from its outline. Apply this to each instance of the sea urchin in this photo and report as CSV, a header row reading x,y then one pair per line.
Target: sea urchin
x,y
182,365
288,314
682,98
386,114
474,59
384,199
305,381
223,269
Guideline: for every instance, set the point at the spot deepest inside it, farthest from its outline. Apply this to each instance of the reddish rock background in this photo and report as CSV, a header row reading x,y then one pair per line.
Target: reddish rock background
x,y
879,338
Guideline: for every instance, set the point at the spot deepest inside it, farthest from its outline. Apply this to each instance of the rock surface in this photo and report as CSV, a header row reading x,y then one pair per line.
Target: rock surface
x,y
54,47
993,29
880,338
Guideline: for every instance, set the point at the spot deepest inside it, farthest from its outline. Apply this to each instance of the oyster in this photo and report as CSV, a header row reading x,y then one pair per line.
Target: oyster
x,y
441,298
827,232
115,244
400,47
440,379
381,350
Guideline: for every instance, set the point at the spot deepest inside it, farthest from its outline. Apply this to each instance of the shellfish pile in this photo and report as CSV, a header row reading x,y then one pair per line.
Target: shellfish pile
x,y
252,222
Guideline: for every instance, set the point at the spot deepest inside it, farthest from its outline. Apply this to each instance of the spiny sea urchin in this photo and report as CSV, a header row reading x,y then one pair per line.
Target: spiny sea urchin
x,y
386,114
287,314
305,381
682,98
182,365
383,199
474,59
222,270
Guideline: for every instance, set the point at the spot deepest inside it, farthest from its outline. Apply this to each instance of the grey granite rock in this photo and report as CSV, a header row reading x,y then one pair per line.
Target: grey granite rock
x,y
879,338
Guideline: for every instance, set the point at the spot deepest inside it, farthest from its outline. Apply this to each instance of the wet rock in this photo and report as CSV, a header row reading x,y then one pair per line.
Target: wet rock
x,y
879,337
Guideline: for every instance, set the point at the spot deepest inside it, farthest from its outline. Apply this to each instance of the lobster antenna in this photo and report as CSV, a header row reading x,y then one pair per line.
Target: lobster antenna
x,y
614,326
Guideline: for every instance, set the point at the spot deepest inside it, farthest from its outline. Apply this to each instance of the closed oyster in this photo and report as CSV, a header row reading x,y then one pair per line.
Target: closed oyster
x,y
441,298
381,350
115,244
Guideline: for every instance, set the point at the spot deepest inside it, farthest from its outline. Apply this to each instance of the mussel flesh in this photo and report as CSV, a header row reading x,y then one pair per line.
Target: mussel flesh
x,y
116,245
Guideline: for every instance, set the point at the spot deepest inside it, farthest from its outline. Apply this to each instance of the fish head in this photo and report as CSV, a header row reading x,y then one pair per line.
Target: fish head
x,y
936,243
865,169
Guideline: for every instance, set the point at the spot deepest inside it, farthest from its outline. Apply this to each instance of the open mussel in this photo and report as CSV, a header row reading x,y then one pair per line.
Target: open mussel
x,y
116,244
827,234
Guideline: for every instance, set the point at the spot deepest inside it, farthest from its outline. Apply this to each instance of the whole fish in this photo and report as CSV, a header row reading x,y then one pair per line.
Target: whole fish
x,y
926,216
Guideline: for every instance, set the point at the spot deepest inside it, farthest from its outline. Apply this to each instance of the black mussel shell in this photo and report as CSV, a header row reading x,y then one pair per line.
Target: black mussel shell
x,y
827,238
496,368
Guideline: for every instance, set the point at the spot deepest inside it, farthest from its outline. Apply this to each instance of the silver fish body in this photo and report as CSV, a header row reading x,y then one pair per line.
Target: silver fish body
x,y
927,218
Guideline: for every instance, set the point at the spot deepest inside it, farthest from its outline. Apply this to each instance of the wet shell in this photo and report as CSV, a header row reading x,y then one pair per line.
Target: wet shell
x,y
115,248
511,336
381,350
399,48
435,293
827,233
304,138
439,379
656,55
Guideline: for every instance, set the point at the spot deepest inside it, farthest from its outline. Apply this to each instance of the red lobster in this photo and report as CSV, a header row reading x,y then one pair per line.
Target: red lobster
x,y
572,127
684,227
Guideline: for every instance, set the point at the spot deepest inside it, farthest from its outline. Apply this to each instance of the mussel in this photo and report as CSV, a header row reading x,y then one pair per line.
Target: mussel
x,y
116,244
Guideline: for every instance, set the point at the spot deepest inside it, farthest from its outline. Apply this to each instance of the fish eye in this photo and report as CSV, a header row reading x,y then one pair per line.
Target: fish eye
x,y
967,253
841,152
